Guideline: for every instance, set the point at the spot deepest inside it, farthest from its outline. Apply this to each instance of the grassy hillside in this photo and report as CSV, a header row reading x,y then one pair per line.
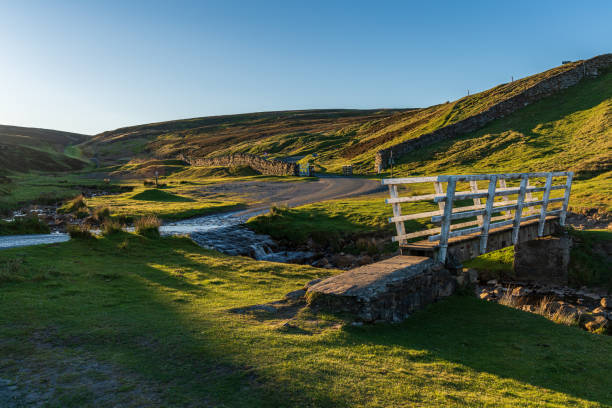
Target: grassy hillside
x,y
277,133
25,149
571,130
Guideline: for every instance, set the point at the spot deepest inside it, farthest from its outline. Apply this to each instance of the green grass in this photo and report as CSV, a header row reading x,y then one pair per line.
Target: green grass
x,y
327,221
163,204
154,316
160,196
47,188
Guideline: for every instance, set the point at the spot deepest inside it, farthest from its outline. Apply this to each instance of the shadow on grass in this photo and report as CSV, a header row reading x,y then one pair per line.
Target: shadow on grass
x,y
508,343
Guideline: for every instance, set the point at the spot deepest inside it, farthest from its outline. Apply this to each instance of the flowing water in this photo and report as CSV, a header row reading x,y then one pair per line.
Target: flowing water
x,y
222,232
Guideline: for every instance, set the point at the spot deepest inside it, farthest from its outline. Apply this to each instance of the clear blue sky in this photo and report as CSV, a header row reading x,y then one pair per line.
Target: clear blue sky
x,y
88,66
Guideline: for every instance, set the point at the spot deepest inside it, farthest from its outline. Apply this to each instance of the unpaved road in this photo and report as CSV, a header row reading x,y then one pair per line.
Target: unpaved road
x,y
264,194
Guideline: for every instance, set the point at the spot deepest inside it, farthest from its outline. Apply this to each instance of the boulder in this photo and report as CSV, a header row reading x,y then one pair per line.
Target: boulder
x,y
364,260
343,260
597,323
520,291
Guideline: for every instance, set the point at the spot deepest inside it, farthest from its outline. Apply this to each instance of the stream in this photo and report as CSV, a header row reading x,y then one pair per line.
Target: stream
x,y
222,232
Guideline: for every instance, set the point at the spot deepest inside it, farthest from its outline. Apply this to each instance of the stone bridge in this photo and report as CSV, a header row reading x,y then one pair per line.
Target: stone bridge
x,y
430,269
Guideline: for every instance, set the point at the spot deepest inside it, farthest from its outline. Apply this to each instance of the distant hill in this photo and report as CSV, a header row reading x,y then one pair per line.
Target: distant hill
x,y
23,149
337,137
283,133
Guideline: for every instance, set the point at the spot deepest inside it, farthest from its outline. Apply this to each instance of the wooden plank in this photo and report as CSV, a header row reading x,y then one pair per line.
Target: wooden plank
x,y
397,211
439,190
446,222
486,219
545,204
519,210
410,199
408,180
566,196
474,188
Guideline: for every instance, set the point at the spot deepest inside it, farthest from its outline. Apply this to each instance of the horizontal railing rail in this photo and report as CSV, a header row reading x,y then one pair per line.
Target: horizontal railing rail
x,y
512,210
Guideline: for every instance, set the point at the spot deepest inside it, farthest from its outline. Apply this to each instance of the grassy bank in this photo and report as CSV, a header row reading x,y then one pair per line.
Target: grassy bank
x,y
143,321
327,221
162,203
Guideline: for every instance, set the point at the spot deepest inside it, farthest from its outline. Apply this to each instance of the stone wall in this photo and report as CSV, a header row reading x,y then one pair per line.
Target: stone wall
x,y
590,68
543,260
267,167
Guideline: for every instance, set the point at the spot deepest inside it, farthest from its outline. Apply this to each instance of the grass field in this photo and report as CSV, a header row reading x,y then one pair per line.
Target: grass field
x,y
147,322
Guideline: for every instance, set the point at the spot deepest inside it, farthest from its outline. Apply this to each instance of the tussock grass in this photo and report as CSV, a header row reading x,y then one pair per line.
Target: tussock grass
x,y
147,226
111,227
79,231
73,205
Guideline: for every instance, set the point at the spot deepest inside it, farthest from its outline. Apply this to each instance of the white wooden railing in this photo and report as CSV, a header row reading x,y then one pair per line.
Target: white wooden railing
x,y
447,213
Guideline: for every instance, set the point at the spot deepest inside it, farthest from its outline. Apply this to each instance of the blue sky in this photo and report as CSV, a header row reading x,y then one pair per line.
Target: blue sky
x,y
88,66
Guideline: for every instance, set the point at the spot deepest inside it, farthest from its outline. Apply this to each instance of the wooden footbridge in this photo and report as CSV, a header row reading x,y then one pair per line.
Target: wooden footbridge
x,y
475,214
509,215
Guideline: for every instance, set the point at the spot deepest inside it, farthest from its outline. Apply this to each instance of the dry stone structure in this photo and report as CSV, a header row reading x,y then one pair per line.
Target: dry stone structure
x,y
267,167
590,68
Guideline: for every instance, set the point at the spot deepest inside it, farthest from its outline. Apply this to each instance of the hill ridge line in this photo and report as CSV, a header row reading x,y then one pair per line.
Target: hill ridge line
x,y
546,87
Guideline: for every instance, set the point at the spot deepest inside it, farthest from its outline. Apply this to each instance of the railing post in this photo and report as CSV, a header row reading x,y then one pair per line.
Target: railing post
x,y
545,199
519,209
486,220
568,188
446,219
474,188
397,212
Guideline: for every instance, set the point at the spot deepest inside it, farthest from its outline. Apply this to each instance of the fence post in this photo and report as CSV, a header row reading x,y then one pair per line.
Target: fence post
x,y
519,209
568,188
544,205
397,212
486,220
446,218
474,188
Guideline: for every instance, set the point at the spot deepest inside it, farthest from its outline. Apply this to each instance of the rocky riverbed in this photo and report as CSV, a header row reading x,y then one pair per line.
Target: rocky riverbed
x,y
590,308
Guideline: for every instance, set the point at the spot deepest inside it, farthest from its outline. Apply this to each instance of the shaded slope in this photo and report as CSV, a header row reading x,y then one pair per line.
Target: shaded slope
x,y
24,149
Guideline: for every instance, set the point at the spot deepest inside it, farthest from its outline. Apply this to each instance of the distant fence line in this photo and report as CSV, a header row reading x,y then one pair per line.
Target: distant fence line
x,y
589,68
268,167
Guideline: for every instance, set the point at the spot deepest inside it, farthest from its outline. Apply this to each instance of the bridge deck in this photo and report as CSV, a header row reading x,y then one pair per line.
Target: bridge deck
x,y
467,247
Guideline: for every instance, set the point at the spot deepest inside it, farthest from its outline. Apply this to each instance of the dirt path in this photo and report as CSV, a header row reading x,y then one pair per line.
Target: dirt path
x,y
264,194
